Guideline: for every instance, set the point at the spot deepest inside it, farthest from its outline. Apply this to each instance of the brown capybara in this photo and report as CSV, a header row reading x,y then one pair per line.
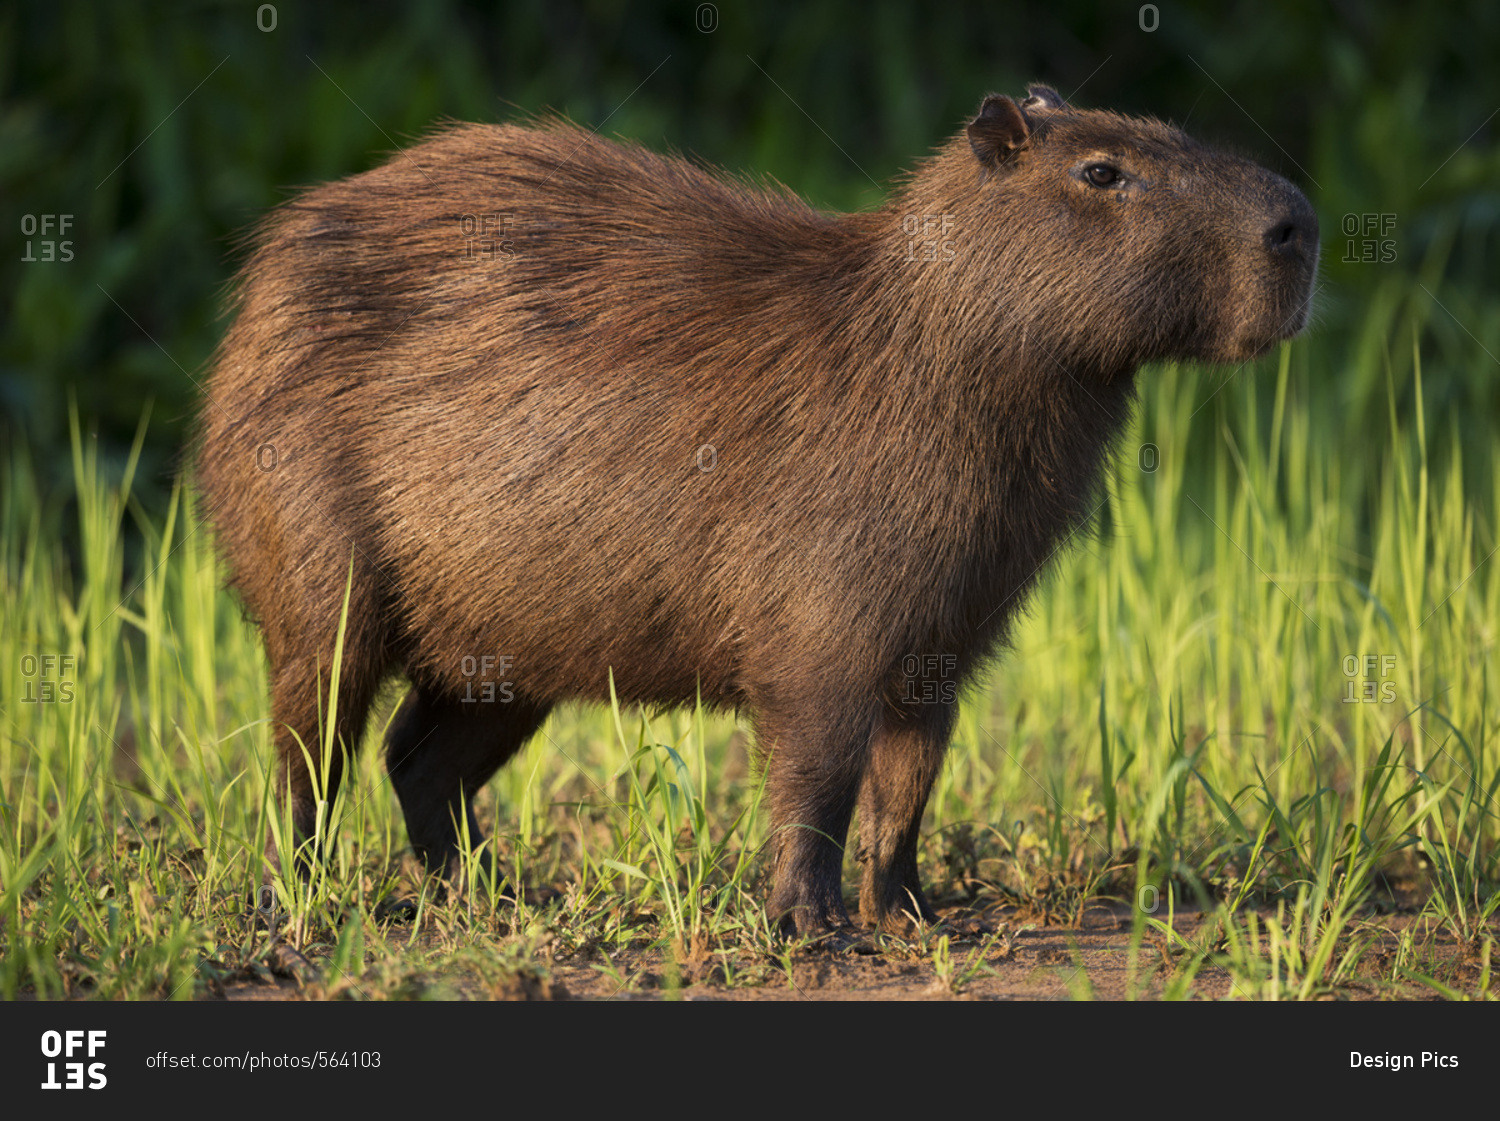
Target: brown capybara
x,y
552,408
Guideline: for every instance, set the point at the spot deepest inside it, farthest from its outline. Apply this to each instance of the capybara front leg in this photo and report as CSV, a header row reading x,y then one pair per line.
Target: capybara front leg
x,y
904,762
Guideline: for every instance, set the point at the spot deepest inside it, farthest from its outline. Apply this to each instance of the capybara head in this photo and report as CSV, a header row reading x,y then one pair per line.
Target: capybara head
x,y
1140,239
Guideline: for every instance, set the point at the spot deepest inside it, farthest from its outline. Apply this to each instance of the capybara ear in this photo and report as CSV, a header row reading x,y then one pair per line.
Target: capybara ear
x,y
1043,97
999,132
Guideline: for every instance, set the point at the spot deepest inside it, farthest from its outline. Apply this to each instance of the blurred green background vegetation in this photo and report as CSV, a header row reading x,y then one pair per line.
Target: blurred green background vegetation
x,y
165,130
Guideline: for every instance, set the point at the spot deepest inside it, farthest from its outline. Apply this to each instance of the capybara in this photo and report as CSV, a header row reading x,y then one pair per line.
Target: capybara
x,y
549,408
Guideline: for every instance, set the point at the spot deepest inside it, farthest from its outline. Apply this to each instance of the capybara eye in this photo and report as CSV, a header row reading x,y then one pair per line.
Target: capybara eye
x,y
1102,175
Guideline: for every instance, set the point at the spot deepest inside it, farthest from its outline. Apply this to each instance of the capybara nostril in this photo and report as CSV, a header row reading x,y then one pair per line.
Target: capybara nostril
x,y
1294,233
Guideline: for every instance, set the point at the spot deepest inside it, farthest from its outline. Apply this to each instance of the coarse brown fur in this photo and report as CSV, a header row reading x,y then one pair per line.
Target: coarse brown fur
x,y
554,407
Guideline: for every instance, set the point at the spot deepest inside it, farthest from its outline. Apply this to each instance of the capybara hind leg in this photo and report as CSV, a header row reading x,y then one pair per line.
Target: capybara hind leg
x,y
311,763
904,762
439,752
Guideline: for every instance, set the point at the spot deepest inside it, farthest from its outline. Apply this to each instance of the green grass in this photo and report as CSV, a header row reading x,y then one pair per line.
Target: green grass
x,y
1262,691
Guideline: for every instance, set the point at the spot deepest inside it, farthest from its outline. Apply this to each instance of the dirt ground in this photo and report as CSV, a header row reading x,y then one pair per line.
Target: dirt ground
x,y
992,955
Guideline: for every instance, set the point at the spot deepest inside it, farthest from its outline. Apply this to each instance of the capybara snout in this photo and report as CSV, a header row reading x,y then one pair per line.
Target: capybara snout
x,y
553,411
